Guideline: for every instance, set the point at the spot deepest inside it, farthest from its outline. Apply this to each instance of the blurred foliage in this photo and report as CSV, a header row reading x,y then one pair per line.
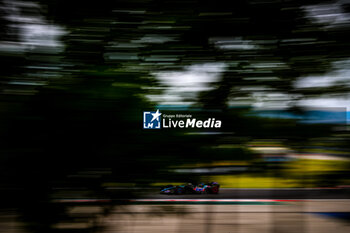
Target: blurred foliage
x,y
71,111
302,173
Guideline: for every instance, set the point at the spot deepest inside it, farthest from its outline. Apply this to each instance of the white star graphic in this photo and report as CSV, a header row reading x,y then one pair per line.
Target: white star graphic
x,y
156,115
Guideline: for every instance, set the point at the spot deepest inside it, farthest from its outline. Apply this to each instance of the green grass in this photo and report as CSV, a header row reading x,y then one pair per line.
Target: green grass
x,y
294,174
249,181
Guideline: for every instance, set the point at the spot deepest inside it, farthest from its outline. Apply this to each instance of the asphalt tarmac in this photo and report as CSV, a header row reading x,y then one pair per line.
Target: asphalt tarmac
x,y
326,193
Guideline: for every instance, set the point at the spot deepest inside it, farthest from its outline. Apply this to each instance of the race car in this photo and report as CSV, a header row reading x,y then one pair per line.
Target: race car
x,y
212,188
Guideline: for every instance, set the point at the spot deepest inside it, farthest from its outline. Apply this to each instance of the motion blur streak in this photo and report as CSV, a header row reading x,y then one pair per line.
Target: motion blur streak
x,y
297,217
77,76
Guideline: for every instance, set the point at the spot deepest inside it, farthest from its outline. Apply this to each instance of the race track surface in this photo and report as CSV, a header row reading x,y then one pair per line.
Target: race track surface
x,y
327,193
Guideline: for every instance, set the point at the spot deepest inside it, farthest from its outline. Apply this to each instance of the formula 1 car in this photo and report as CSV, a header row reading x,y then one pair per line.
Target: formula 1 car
x,y
212,188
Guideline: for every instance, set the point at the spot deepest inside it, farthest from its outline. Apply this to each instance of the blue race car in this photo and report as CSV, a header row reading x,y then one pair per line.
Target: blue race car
x,y
212,188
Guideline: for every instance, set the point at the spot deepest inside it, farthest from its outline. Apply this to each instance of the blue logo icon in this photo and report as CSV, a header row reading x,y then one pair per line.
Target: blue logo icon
x,y
151,120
